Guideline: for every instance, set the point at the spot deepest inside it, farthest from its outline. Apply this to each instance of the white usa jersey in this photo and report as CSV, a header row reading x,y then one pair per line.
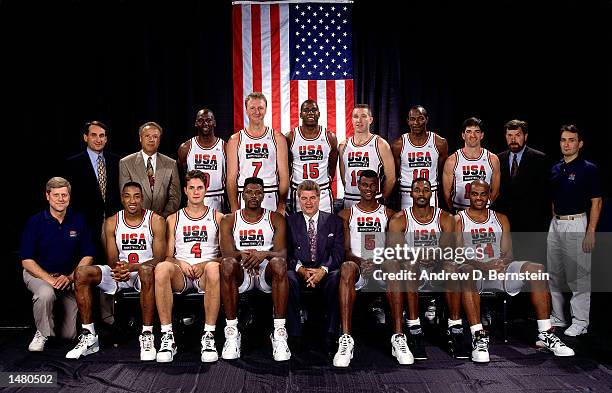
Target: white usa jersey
x,y
134,243
211,161
485,235
425,234
196,239
418,161
310,158
257,235
257,158
358,158
367,230
466,171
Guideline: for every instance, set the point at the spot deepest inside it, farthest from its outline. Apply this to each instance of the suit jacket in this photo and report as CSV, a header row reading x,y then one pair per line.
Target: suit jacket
x,y
525,200
166,196
330,241
86,197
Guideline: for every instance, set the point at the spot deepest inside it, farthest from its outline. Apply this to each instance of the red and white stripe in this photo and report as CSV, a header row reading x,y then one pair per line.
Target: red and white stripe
x,y
261,63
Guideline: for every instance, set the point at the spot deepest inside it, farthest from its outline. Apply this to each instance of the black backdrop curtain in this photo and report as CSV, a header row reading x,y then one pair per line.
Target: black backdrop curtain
x,y
126,62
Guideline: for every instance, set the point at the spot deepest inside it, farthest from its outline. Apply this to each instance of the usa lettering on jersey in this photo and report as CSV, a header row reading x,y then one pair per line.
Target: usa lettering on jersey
x,y
369,224
133,241
195,233
257,150
251,238
358,159
206,162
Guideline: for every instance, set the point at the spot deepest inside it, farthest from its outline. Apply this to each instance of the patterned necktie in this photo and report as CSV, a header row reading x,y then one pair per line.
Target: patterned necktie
x,y
150,174
102,177
514,168
312,239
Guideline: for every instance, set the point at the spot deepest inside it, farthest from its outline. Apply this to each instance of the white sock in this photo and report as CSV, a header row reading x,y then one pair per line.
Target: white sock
x,y
231,322
166,328
475,328
453,322
413,322
544,325
209,328
147,329
279,323
90,327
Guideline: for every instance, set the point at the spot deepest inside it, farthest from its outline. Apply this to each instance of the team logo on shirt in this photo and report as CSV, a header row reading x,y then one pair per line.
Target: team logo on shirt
x,y
368,224
257,150
133,241
73,234
311,153
205,162
425,238
571,177
419,159
474,172
195,233
251,238
483,235
358,159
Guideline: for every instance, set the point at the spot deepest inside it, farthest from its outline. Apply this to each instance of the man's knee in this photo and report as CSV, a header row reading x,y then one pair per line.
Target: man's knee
x,y
229,267
84,275
163,271
348,271
279,266
211,273
147,274
531,267
44,294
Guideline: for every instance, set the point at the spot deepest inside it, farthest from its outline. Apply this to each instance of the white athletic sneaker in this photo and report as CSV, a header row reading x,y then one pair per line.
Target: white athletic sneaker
x,y
480,347
147,346
575,330
167,349
209,350
551,342
38,342
280,348
343,357
231,348
88,344
399,349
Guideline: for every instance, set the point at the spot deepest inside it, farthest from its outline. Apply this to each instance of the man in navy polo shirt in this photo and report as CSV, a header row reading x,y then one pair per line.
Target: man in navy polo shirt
x,y
575,190
55,241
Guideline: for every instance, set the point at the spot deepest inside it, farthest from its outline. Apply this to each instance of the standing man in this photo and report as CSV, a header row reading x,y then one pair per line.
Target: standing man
x,y
206,152
488,233
472,162
54,243
94,176
364,225
576,190
157,173
135,243
363,151
253,244
419,154
313,155
315,252
523,168
192,262
258,151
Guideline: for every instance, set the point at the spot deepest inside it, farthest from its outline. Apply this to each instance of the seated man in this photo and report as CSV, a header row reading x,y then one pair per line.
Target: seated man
x,y
135,243
315,251
489,232
426,229
253,248
365,224
192,262
54,243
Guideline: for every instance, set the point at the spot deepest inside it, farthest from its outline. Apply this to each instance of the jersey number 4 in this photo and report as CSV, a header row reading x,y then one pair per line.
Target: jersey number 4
x,y
196,250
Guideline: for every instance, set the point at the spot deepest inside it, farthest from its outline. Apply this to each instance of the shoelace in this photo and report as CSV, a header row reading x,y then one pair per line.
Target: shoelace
x,y
400,340
344,344
82,341
482,343
147,341
39,337
166,342
231,332
280,333
552,339
209,342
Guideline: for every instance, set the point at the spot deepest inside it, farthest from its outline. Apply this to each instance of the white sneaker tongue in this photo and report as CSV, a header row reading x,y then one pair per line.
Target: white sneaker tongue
x,y
280,333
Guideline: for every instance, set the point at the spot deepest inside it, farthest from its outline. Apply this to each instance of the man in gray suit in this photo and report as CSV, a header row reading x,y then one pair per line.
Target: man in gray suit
x,y
157,173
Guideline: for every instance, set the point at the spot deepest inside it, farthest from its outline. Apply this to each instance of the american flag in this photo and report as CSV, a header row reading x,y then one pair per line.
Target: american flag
x,y
290,52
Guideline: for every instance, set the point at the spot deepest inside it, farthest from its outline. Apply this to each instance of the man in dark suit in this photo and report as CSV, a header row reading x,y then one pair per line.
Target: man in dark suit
x,y
314,253
94,176
523,195
157,173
